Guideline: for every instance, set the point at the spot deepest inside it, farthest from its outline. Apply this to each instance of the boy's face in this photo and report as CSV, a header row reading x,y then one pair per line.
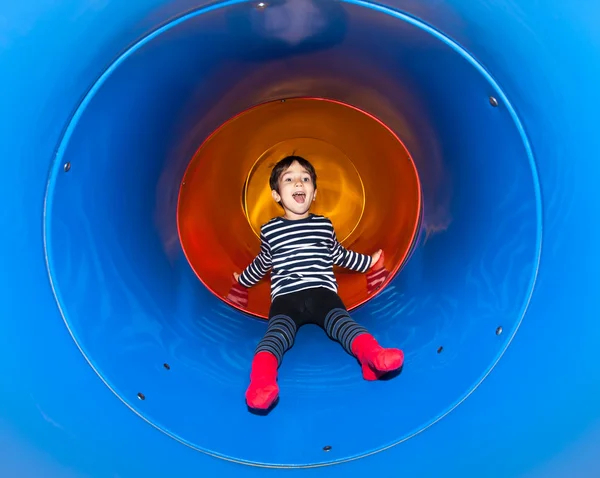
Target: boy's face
x,y
296,192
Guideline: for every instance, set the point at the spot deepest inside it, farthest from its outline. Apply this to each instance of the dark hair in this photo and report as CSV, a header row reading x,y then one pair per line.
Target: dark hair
x,y
284,164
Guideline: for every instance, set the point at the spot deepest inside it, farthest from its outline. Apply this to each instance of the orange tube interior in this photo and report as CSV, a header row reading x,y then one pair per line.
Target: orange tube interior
x,y
367,182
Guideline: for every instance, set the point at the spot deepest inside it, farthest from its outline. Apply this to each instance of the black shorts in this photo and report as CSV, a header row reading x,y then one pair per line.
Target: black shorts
x,y
308,306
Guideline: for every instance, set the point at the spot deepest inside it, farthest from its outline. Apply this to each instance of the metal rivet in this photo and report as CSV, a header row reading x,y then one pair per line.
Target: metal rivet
x,y
493,101
440,350
327,448
141,396
67,167
283,101
261,5
499,330
167,366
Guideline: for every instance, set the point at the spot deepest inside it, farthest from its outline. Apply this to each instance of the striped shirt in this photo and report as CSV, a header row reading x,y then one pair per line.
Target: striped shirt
x,y
301,255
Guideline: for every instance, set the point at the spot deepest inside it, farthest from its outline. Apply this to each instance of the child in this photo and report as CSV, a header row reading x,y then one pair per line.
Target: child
x,y
301,249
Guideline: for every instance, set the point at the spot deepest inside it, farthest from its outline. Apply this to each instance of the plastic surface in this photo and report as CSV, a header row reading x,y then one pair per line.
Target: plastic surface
x,y
508,234
225,195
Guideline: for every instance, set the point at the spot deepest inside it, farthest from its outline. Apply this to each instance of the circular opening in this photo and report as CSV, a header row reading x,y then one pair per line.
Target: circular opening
x,y
129,296
343,200
348,148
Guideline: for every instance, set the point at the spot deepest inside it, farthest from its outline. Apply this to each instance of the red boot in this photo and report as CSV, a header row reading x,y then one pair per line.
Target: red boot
x,y
263,389
375,360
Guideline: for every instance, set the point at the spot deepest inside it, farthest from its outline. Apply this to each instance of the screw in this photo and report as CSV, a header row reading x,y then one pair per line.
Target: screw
x,y
327,448
141,396
499,330
167,366
67,167
440,350
261,5
493,101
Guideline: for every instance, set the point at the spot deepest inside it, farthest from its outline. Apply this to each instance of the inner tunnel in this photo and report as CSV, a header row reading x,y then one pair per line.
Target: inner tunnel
x,y
348,149
159,185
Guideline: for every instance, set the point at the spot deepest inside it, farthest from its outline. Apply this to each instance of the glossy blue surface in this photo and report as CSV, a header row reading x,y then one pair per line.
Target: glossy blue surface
x,y
506,190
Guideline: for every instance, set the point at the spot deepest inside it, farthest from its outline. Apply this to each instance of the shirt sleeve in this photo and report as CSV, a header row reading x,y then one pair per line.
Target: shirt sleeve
x,y
349,259
259,266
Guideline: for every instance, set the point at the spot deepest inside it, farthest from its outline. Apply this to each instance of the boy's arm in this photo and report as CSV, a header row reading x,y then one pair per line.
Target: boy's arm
x,y
349,259
258,267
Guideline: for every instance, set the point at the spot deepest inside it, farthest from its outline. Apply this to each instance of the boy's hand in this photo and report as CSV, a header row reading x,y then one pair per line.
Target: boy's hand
x,y
375,257
238,294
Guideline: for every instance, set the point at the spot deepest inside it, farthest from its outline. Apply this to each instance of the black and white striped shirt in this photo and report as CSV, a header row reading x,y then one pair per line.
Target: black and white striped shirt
x,y
301,255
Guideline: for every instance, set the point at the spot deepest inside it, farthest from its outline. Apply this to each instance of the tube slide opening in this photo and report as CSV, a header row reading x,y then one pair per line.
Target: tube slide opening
x,y
132,302
349,150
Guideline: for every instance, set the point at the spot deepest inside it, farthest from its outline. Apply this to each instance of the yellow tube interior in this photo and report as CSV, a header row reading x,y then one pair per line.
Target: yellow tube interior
x,y
367,183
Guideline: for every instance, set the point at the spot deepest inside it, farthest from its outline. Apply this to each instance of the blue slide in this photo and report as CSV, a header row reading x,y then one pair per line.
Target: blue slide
x,y
119,363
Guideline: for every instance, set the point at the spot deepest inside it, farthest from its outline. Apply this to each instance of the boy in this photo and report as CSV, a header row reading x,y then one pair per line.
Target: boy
x,y
301,249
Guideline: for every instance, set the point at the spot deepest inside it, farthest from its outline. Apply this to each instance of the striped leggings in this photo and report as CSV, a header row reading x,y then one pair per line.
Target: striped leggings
x,y
319,306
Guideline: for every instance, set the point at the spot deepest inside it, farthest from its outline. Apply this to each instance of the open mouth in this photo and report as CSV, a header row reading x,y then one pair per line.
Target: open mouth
x,y
299,196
